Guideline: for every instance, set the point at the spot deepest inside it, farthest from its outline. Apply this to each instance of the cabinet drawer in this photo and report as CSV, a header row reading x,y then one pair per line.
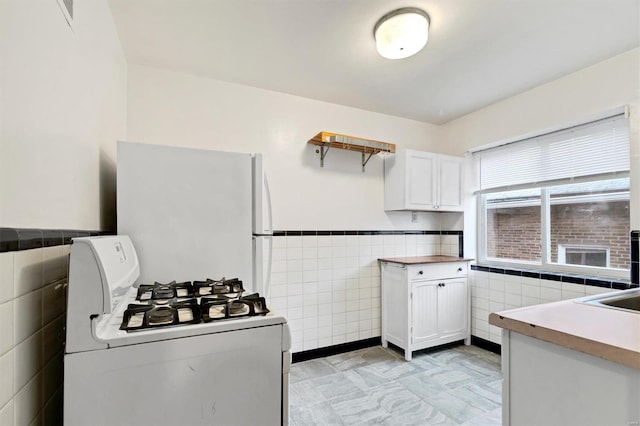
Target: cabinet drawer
x,y
436,271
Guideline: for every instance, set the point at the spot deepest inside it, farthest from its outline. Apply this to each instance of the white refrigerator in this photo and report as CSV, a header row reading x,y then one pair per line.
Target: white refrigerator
x,y
194,214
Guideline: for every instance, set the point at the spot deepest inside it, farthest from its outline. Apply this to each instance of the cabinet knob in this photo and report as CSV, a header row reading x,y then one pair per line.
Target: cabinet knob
x,y
459,269
420,272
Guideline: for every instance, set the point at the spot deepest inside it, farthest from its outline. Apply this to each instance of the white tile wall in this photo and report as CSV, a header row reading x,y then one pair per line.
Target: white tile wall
x,y
6,326
6,373
6,276
6,414
328,286
448,245
27,271
28,402
32,306
492,292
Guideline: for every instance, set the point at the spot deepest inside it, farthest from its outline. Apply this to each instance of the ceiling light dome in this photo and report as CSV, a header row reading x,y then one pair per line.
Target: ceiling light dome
x,y
401,33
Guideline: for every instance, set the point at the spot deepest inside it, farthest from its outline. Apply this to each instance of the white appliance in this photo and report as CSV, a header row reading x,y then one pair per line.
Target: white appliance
x,y
227,372
195,213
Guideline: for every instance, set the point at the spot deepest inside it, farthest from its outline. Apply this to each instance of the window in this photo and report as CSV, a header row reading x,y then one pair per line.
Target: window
x,y
583,255
559,202
590,222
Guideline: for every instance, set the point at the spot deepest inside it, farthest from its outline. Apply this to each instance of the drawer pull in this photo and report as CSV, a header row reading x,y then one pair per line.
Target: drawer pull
x,y
459,269
420,272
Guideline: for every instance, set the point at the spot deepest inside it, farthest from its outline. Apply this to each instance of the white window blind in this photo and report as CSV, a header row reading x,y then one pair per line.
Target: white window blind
x,y
597,148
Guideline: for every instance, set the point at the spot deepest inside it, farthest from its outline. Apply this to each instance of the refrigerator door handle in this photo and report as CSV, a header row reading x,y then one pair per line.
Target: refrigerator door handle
x,y
262,222
267,194
267,280
262,259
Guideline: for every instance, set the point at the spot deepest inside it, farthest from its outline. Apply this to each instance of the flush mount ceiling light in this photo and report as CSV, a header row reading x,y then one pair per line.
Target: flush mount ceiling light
x,y
401,33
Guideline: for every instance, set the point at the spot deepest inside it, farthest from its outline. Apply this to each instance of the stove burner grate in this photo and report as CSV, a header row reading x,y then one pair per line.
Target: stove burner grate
x,y
140,316
160,291
231,287
215,309
161,305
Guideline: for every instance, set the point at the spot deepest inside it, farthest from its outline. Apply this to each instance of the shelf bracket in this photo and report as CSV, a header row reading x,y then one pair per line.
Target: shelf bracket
x,y
364,163
323,152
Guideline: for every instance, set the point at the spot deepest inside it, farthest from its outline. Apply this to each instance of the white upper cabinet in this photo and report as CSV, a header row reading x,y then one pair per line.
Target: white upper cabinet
x,y
449,183
416,180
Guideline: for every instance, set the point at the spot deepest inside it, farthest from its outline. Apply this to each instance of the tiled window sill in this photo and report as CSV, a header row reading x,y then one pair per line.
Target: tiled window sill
x,y
352,232
551,276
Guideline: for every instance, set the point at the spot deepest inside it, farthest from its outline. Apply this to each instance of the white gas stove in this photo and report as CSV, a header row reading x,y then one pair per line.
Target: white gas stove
x,y
206,346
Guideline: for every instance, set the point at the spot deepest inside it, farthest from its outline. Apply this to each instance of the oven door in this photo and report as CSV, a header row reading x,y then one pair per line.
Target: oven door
x,y
229,378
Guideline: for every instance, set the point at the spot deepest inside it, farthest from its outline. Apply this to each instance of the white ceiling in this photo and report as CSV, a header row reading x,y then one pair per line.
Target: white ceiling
x,y
479,51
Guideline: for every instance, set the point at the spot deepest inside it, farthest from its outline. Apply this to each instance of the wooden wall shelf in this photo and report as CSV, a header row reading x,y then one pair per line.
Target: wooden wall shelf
x,y
326,140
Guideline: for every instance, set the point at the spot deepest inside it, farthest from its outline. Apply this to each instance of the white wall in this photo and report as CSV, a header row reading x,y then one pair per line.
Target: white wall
x,y
63,104
563,102
166,107
634,133
570,99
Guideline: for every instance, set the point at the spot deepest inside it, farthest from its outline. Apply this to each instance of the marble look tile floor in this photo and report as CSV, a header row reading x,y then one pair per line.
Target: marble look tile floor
x,y
454,385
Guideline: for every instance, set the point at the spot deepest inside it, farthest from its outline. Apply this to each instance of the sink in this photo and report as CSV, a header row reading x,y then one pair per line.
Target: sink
x,y
626,300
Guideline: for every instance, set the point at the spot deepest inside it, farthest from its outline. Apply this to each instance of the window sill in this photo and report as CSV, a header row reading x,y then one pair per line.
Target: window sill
x,y
602,282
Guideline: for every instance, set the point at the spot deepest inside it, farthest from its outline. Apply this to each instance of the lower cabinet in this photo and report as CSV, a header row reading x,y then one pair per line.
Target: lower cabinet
x,y
548,384
425,305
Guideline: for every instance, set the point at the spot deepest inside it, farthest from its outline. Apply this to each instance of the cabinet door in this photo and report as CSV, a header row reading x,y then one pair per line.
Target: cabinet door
x,y
452,307
424,311
450,183
421,182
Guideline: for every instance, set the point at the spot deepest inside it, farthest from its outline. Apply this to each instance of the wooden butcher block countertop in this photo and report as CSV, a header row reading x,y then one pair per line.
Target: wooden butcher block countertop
x,y
418,260
606,333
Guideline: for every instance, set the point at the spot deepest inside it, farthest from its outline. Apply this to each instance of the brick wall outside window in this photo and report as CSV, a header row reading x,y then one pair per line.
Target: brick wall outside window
x,y
514,233
593,224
